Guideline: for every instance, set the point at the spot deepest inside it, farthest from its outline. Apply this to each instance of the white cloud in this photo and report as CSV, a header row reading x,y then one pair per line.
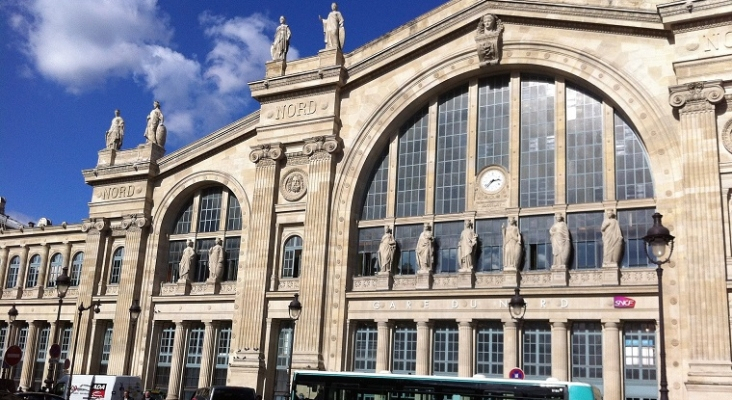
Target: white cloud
x,y
83,43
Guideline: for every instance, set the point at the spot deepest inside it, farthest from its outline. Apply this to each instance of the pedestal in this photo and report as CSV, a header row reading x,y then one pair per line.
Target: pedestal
x,y
275,68
559,275
384,281
330,57
183,287
510,278
424,280
610,274
106,157
465,279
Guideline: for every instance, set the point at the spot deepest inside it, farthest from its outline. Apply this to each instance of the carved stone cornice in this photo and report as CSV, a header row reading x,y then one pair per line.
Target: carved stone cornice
x,y
696,96
266,153
97,225
321,146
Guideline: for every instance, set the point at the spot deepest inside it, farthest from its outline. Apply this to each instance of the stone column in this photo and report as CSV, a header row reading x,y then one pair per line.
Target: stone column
x,y
465,349
93,258
176,364
701,260
23,268
510,346
43,269
136,229
248,322
423,347
559,350
208,354
29,355
611,354
383,343
4,262
308,336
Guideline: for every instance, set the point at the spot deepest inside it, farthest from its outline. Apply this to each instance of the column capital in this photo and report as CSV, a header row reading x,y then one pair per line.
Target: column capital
x,y
269,153
93,226
320,146
696,96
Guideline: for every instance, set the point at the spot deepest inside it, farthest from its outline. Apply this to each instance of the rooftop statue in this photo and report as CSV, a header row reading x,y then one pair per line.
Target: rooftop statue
x,y
116,132
155,131
335,32
281,43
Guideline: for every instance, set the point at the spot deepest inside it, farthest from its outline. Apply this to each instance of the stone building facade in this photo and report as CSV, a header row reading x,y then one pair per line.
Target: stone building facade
x,y
601,112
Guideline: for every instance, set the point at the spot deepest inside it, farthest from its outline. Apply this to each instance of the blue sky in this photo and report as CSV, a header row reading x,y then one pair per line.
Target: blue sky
x,y
66,65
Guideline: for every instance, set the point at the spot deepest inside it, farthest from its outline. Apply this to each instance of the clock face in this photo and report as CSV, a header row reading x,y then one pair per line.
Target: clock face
x,y
493,180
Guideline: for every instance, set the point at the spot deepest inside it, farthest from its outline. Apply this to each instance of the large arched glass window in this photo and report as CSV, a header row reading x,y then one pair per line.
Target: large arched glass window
x,y
292,257
57,262
13,270
76,264
209,214
33,267
115,272
552,143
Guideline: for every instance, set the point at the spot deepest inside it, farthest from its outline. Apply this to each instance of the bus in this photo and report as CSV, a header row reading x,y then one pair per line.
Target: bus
x,y
321,385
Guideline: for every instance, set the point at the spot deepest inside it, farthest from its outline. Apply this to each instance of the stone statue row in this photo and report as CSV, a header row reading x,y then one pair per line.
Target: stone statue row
x,y
333,29
155,131
215,262
612,240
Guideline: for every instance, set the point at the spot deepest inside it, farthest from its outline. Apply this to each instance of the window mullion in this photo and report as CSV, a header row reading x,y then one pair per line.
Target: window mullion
x,y
392,179
514,139
472,147
560,151
608,150
429,195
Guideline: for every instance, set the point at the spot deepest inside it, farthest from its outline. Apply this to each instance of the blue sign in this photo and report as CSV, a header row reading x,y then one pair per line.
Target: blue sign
x,y
516,373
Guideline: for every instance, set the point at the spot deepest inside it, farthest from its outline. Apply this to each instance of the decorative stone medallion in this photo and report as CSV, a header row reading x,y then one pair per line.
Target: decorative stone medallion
x,y
727,136
294,185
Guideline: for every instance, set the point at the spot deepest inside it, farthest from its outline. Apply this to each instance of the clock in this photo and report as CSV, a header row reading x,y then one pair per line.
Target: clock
x,y
492,180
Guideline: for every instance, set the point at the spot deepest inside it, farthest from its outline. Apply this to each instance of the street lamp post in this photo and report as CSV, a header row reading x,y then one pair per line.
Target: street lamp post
x,y
76,341
12,315
517,307
659,247
62,286
295,308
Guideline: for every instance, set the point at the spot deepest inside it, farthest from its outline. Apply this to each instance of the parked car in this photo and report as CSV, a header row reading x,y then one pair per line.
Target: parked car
x,y
38,396
225,393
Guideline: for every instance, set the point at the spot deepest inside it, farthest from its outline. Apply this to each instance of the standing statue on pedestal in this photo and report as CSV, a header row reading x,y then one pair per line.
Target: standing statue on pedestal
x,y
215,262
116,132
187,260
559,235
511,245
155,131
468,240
281,43
335,32
612,239
387,247
425,252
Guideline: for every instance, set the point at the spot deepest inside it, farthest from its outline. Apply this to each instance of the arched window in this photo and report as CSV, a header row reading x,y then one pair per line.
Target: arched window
x,y
209,214
33,266
13,270
116,271
292,257
535,143
76,264
56,264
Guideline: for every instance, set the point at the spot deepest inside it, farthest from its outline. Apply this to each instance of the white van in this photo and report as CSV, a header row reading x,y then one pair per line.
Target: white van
x,y
101,387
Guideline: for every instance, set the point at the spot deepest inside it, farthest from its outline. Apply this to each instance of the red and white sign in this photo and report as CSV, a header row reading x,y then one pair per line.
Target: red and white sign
x,y
98,390
13,355
623,302
516,373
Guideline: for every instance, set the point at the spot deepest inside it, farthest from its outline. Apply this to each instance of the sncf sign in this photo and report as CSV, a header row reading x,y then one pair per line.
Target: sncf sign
x,y
623,302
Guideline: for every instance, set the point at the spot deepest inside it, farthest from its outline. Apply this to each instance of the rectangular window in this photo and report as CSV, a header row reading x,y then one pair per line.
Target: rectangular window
x,y
537,350
368,251
587,353
490,242
407,237
364,352
412,166
175,251
201,272
494,110
537,245
452,149
537,141
489,349
106,349
445,350
233,214
584,147
639,360
282,376
447,237
165,357
586,239
231,262
223,344
404,349
633,178
634,225
192,368
210,210
3,337
374,205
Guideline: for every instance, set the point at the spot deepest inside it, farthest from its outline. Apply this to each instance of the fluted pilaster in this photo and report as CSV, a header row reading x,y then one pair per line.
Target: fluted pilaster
x,y
708,322
208,353
176,363
559,350
4,262
510,346
315,250
611,353
29,360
